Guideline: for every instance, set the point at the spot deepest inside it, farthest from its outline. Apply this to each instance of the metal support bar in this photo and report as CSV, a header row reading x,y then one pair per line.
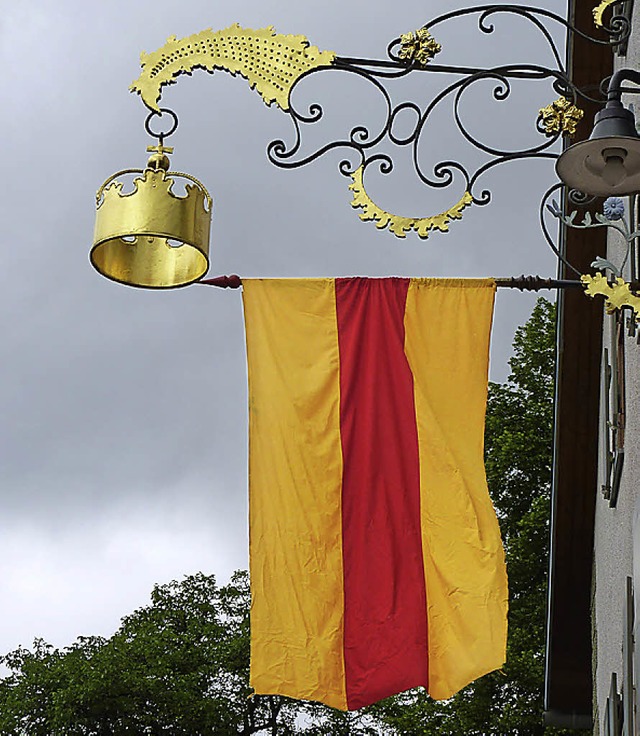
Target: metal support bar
x,y
615,90
224,282
524,283
521,71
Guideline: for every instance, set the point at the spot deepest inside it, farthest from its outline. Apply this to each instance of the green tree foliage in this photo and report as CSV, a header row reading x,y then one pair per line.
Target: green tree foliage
x,y
180,666
182,660
177,667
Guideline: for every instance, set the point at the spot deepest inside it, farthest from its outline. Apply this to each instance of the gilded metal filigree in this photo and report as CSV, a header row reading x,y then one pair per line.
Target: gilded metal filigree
x,y
561,116
617,295
598,11
270,61
400,226
274,64
418,46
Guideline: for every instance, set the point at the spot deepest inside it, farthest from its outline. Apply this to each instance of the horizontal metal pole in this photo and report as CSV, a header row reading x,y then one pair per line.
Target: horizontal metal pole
x,y
517,71
224,282
535,283
524,283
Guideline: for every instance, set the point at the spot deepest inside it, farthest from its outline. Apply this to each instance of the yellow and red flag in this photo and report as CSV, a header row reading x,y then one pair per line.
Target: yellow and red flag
x,y
375,554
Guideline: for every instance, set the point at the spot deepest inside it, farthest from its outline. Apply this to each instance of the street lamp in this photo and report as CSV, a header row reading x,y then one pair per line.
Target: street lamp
x,y
608,164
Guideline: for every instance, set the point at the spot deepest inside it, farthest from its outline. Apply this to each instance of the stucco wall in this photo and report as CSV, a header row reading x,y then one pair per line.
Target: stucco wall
x,y
614,528
614,542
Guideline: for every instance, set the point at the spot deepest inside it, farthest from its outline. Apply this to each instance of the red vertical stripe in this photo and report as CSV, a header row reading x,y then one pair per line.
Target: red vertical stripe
x,y
385,620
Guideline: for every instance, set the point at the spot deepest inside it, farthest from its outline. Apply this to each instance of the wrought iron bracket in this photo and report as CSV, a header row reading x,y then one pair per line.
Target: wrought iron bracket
x,y
276,66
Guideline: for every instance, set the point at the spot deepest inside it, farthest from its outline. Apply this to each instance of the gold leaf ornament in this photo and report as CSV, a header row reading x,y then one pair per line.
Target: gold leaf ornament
x,y
561,116
598,11
617,295
270,61
419,46
400,226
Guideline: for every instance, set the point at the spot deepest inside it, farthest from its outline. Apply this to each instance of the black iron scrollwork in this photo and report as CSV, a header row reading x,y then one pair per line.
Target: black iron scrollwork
x,y
361,144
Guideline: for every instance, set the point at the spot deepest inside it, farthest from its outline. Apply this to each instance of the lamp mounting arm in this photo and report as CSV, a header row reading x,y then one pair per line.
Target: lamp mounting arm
x,y
615,89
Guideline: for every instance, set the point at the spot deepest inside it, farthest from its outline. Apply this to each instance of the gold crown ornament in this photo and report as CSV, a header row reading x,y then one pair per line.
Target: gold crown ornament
x,y
152,237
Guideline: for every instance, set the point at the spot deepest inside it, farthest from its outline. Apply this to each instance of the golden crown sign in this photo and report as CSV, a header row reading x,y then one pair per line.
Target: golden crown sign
x,y
152,237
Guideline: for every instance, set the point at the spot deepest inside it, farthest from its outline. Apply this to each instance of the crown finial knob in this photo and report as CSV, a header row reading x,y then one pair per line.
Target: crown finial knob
x,y
159,159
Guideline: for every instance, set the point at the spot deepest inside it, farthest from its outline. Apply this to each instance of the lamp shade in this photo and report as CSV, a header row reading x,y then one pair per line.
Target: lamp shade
x,y
152,237
608,163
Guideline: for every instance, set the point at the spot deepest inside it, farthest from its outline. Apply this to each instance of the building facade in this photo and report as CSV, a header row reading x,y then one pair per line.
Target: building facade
x,y
592,677
616,572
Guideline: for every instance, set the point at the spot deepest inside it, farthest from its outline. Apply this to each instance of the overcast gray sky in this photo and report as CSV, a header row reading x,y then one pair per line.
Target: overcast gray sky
x,y
123,412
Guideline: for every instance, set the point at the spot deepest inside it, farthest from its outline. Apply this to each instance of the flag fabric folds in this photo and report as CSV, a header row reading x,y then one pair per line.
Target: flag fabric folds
x,y
375,554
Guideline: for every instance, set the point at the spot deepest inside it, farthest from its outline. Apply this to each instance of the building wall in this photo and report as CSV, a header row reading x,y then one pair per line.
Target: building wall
x,y
613,542
616,528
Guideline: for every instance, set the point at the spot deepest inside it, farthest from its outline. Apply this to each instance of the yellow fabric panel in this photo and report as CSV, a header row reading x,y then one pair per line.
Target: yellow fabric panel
x,y
448,325
295,484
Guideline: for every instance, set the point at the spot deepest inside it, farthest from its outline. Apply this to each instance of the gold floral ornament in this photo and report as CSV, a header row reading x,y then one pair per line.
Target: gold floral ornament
x,y
561,116
598,11
399,226
270,61
617,295
419,46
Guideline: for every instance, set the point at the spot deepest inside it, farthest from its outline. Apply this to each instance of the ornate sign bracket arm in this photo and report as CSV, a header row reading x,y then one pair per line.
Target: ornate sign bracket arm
x,y
274,65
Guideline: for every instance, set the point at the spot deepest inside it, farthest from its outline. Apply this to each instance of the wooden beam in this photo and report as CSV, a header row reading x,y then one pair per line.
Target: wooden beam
x,y
569,651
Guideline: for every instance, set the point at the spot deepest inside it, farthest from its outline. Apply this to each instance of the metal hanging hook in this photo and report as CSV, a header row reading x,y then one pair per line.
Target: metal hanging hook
x,y
162,134
159,159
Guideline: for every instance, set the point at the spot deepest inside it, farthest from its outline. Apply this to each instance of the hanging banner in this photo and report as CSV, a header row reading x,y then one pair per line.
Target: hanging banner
x,y
375,554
